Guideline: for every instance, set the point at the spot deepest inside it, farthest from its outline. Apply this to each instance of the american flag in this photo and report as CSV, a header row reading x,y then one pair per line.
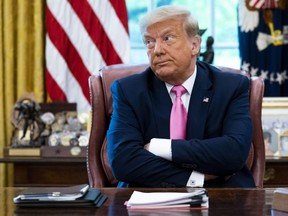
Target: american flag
x,y
205,100
82,37
257,4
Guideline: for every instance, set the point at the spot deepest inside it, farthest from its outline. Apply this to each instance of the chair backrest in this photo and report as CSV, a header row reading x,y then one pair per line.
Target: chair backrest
x,y
98,167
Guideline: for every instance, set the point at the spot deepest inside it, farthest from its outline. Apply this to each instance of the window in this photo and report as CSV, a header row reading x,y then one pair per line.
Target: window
x,y
219,18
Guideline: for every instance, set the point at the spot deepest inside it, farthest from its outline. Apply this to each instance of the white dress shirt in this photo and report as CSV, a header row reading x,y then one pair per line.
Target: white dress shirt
x,y
162,147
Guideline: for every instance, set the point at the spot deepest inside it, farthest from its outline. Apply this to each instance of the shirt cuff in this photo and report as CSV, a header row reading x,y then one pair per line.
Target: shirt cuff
x,y
196,180
161,148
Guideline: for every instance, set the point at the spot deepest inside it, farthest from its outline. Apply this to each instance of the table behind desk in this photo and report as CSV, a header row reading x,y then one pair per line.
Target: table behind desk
x,y
221,202
59,171
47,172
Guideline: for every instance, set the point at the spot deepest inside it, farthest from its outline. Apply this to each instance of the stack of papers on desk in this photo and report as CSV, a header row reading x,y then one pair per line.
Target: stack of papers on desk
x,y
163,200
78,195
280,199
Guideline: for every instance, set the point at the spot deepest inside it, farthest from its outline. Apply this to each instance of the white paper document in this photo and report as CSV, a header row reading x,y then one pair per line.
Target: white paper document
x,y
281,190
157,200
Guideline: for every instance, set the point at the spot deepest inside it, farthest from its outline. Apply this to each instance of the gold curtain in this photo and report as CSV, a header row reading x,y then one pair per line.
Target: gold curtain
x,y
21,63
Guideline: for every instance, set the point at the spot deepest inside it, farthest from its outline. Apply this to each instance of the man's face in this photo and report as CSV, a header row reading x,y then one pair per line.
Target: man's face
x,y
172,55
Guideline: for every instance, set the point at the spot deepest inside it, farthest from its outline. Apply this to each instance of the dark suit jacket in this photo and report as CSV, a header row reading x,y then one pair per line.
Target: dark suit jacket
x,y
219,130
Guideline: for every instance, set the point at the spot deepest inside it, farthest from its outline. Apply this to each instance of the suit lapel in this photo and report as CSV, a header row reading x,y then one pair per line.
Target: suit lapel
x,y
161,105
199,103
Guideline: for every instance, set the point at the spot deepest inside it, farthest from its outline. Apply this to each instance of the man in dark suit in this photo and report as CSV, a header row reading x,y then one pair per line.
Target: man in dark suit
x,y
213,153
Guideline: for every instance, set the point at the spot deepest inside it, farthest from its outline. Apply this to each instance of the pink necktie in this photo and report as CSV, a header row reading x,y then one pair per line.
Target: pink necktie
x,y
178,118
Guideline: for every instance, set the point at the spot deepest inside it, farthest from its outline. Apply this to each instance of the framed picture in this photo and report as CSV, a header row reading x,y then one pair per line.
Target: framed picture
x,y
275,125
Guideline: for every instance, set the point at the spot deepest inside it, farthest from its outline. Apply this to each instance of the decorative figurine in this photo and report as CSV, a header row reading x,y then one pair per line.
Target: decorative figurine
x,y
208,55
27,122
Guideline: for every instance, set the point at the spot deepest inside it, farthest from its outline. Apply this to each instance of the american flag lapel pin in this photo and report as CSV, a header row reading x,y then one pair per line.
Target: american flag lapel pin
x,y
205,99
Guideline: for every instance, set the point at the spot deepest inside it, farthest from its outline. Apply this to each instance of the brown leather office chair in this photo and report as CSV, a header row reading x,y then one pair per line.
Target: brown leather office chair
x,y
99,171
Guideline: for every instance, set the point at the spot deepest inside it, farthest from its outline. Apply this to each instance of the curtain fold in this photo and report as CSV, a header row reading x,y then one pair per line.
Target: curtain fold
x,y
21,63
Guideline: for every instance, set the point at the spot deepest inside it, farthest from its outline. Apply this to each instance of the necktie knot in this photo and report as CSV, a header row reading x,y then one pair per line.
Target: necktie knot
x,y
179,90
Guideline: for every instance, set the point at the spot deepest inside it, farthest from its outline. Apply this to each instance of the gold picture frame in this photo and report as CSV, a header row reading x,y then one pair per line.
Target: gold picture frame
x,y
275,126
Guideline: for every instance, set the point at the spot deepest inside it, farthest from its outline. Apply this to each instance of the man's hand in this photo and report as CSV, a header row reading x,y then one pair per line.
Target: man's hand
x,y
146,146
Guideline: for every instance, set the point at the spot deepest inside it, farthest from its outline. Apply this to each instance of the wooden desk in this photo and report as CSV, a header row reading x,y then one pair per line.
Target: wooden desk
x,y
37,171
222,202
276,174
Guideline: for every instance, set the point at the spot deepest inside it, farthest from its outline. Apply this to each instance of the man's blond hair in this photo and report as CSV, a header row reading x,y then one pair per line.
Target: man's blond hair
x,y
163,13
